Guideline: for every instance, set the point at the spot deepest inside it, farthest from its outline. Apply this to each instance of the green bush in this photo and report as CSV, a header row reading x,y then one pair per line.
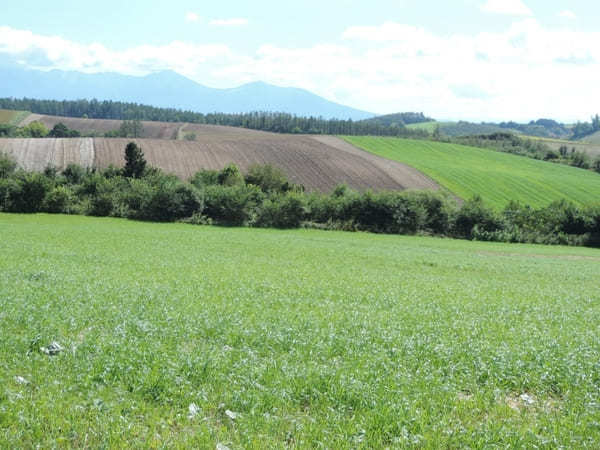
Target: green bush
x,y
172,200
9,187
268,178
27,195
8,166
33,130
163,199
474,213
232,205
60,130
438,210
106,196
59,200
282,211
230,176
74,173
204,178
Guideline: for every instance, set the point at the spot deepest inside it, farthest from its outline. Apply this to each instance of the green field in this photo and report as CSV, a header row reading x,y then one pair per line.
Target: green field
x,y
297,339
427,126
497,177
592,138
12,117
591,148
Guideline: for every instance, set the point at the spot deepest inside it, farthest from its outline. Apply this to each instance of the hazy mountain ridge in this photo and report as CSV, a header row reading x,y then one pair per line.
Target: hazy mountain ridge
x,y
170,90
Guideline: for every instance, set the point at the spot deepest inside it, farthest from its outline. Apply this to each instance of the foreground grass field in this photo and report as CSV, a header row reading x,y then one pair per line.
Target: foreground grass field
x,y
183,336
498,177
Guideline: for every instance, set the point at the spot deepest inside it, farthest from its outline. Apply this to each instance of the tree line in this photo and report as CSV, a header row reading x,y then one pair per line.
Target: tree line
x,y
276,122
263,197
583,129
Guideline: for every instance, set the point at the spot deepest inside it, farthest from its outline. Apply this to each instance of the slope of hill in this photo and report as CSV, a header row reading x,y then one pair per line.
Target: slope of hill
x,y
497,177
317,164
406,118
541,128
547,128
150,130
592,138
169,89
9,117
590,148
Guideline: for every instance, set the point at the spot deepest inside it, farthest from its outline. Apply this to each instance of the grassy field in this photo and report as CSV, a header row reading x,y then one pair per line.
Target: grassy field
x,y
12,117
593,139
183,336
592,148
498,177
456,128
427,126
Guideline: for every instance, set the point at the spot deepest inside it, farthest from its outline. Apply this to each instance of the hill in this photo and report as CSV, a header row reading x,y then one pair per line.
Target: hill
x,y
585,146
170,90
13,118
541,128
545,128
592,138
497,177
318,163
399,119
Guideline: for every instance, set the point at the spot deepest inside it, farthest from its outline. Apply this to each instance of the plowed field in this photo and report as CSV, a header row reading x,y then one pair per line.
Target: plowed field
x,y
151,130
319,164
37,154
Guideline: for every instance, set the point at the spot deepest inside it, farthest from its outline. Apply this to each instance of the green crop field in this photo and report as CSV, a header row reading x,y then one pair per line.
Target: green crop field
x,y
497,177
591,148
12,117
592,138
427,126
183,336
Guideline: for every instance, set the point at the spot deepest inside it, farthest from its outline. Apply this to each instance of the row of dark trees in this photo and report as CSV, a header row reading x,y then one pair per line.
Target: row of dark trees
x,y
583,129
265,198
265,121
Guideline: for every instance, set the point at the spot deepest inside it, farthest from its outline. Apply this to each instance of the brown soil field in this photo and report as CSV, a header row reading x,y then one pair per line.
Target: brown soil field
x,y
37,154
151,130
318,163
305,160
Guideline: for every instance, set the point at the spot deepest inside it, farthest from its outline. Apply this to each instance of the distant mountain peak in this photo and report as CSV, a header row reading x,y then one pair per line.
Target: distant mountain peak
x,y
169,89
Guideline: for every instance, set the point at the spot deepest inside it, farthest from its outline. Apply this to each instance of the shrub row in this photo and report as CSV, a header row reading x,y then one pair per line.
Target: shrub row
x,y
264,198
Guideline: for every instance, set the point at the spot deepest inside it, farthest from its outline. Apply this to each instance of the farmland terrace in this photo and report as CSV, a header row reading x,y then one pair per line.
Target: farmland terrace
x,y
317,163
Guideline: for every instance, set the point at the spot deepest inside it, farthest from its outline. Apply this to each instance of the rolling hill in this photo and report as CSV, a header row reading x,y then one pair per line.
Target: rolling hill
x,y
171,90
497,177
318,163
592,138
12,117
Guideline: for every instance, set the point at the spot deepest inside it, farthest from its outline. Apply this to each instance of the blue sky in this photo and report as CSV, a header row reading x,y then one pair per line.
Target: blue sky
x,y
461,59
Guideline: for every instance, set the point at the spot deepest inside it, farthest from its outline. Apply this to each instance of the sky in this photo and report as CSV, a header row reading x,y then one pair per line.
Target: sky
x,y
481,60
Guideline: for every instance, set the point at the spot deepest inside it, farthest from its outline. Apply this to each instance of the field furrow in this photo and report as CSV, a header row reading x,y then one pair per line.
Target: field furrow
x,y
497,177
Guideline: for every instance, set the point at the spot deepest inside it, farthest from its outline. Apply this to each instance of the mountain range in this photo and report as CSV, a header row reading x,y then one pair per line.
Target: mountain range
x,y
169,89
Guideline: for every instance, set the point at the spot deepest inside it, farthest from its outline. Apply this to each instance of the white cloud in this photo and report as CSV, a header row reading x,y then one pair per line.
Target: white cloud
x,y
567,14
55,52
192,17
524,72
507,7
236,22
